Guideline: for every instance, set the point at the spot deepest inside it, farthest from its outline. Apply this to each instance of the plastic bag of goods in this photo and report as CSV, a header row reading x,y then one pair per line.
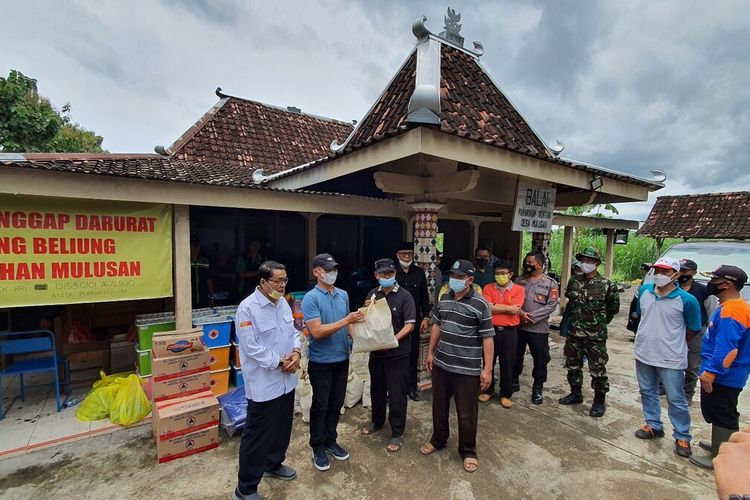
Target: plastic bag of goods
x,y
376,331
359,364
233,406
131,404
354,387
366,397
305,397
97,403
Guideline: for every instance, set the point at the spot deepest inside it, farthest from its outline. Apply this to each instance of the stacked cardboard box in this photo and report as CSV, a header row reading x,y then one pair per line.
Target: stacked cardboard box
x,y
186,412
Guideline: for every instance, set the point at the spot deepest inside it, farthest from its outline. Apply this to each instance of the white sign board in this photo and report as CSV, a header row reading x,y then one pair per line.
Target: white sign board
x,y
534,207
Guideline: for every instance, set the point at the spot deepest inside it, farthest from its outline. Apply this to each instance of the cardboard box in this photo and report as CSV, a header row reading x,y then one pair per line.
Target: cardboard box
x,y
187,444
174,387
184,364
176,417
174,343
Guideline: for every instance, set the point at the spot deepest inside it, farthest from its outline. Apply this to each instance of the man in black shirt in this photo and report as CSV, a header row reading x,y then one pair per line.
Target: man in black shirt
x,y
708,305
412,278
389,369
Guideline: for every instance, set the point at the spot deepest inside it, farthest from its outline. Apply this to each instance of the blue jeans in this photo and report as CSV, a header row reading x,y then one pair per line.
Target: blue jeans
x,y
673,380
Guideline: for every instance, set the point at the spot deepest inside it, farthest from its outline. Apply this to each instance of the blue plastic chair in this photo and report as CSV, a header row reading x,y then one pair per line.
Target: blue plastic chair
x,y
36,341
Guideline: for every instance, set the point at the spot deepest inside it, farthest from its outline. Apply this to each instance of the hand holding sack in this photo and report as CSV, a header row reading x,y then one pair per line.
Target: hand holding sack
x,y
375,333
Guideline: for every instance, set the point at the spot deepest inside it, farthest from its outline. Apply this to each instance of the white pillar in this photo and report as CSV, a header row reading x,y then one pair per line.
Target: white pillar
x,y
609,254
566,261
182,282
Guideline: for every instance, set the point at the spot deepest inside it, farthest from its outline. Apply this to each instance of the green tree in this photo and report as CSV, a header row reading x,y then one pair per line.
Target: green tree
x,y
29,123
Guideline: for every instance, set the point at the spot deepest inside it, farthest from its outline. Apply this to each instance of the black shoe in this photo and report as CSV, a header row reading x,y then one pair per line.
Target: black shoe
x,y
283,472
337,452
598,407
414,395
648,432
536,396
682,448
574,398
239,496
516,386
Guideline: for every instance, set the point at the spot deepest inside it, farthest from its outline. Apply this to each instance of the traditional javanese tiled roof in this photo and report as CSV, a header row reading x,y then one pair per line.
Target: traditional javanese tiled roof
x,y
253,135
712,215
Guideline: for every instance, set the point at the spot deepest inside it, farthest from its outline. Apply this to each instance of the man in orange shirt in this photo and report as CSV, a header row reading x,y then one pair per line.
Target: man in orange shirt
x,y
505,299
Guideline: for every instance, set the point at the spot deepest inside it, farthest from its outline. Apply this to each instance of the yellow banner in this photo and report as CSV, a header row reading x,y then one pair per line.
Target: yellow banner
x,y
63,251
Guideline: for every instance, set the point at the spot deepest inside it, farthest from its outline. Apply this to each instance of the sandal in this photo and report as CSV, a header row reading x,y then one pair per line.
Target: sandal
x,y
427,449
471,464
395,444
369,428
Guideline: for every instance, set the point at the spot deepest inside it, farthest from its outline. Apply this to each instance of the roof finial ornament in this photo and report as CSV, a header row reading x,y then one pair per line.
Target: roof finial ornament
x,y
220,94
659,175
557,148
452,28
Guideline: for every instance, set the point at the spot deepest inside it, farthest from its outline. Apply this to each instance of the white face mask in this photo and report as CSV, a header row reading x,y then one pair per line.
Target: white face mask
x,y
330,278
661,280
587,267
404,263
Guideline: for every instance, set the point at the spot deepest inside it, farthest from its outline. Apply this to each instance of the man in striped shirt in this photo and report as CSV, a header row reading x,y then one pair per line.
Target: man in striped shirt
x,y
461,344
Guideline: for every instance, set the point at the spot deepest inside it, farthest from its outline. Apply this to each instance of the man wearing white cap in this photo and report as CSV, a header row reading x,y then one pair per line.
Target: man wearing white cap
x,y
670,317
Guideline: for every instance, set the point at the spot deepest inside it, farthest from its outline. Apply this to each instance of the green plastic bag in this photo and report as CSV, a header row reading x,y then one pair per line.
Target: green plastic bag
x,y
131,404
98,402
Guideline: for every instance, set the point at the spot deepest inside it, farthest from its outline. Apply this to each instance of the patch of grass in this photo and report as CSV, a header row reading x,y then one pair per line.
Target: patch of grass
x,y
628,258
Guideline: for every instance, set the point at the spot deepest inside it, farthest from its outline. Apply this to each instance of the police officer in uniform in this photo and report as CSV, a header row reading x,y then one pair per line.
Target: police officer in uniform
x,y
593,301
540,301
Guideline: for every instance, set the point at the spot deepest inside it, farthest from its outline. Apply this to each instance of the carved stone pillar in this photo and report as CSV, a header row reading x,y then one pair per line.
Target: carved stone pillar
x,y
540,243
425,232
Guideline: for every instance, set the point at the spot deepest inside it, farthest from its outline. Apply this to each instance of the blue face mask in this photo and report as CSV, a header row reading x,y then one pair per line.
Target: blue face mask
x,y
457,284
387,282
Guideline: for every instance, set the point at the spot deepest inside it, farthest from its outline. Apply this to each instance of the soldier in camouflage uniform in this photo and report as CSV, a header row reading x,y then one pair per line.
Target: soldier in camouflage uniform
x,y
594,300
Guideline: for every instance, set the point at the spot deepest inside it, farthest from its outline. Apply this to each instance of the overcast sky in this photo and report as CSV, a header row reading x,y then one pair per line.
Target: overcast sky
x,y
630,85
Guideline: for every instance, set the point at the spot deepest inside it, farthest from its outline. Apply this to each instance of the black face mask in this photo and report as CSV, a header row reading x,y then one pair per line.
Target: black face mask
x,y
529,269
684,278
481,261
713,288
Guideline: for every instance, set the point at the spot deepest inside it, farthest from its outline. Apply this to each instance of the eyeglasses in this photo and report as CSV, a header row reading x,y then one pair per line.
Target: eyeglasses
x,y
279,282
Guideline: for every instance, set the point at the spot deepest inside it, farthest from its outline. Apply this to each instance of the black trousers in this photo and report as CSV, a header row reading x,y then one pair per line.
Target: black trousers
x,y
328,381
414,356
506,344
265,440
719,407
463,389
539,347
388,385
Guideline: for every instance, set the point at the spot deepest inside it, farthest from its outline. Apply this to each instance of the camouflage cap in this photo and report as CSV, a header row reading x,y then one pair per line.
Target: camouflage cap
x,y
590,252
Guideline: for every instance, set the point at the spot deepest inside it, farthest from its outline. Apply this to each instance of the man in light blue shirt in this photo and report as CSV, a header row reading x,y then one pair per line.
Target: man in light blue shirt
x,y
326,312
270,353
670,317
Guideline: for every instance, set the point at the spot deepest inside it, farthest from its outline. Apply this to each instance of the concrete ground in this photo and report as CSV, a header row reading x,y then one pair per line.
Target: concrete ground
x,y
546,451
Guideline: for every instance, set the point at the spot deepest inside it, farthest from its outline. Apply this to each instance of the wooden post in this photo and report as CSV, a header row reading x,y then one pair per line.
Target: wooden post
x,y
312,241
566,260
182,282
609,254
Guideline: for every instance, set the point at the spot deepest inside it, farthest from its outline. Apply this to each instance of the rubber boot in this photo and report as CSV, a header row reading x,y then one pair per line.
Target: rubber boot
x,y
574,398
718,435
599,406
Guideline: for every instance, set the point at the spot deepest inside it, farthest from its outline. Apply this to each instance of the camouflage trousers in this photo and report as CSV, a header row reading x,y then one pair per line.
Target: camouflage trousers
x,y
595,351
